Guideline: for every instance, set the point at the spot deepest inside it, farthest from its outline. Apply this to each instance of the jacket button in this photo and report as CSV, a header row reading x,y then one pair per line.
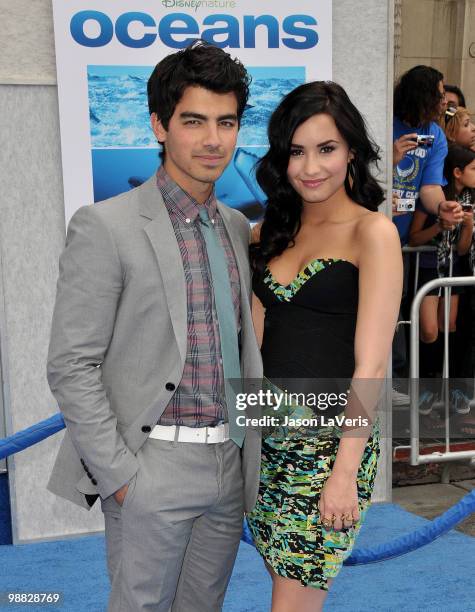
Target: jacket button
x,y
170,386
146,428
94,481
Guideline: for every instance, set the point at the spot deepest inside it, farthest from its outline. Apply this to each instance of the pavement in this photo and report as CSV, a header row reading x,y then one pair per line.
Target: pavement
x,y
432,500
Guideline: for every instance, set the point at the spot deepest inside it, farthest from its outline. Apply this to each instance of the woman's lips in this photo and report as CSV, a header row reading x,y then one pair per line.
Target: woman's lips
x,y
313,183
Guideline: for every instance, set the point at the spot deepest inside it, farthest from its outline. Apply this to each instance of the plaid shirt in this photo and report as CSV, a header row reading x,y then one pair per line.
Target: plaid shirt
x,y
199,399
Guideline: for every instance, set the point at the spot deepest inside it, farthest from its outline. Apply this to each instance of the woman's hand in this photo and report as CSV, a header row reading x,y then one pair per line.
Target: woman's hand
x,y
444,225
467,219
339,498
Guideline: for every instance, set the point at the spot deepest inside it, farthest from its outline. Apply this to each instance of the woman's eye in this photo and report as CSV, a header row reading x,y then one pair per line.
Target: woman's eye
x,y
295,152
327,149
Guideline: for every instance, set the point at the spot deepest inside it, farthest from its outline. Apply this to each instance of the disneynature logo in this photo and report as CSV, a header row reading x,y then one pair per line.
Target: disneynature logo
x,y
197,4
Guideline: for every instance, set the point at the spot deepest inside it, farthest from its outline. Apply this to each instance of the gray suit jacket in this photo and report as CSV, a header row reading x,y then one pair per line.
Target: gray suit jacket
x,y
118,339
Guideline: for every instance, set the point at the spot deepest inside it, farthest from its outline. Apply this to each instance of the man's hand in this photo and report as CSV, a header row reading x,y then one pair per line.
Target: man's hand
x,y
120,494
451,212
402,145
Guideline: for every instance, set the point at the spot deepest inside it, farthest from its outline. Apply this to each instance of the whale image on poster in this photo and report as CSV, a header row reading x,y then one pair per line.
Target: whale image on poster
x,y
125,152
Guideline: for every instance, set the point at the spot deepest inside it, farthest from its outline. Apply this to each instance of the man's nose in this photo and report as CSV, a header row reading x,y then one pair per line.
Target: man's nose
x,y
212,136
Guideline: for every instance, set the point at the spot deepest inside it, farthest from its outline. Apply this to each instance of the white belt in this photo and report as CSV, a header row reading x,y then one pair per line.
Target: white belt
x,y
204,435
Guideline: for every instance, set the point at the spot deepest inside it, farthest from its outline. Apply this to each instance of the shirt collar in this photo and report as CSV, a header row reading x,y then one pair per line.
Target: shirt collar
x,y
178,201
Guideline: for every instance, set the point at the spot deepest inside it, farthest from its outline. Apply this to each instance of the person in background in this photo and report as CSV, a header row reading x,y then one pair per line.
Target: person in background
x,y
459,170
459,127
454,95
419,100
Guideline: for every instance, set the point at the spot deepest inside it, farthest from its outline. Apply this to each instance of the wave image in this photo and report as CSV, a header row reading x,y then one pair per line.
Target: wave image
x,y
118,108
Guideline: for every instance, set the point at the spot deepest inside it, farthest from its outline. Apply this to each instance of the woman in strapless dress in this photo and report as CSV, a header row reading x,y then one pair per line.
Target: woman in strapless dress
x,y
327,286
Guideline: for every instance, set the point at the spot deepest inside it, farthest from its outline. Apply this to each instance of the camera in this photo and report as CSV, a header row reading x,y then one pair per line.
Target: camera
x,y
426,140
405,205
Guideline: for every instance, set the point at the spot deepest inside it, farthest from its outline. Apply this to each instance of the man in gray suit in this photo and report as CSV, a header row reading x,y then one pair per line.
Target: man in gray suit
x,y
140,354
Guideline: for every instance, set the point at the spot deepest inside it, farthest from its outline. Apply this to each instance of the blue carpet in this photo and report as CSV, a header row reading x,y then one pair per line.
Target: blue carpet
x,y
5,514
435,578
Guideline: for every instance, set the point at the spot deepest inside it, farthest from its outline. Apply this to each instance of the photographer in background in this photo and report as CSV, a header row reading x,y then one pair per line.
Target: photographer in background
x,y
419,150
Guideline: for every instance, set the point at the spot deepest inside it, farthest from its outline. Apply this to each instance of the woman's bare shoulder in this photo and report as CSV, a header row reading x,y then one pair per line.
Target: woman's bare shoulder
x,y
376,225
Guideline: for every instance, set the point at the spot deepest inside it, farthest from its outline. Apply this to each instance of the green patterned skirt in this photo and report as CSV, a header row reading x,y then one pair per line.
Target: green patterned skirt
x,y
285,523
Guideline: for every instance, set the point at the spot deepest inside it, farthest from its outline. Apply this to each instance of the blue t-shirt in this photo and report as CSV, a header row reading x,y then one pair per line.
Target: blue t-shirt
x,y
421,166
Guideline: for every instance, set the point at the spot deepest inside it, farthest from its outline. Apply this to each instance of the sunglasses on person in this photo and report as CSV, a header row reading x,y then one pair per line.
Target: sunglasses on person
x,y
449,113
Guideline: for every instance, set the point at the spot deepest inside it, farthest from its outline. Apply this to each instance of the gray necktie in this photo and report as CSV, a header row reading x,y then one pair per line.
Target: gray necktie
x,y
226,321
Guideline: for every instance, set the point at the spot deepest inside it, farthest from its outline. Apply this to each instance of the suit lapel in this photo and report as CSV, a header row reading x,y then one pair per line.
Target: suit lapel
x,y
163,240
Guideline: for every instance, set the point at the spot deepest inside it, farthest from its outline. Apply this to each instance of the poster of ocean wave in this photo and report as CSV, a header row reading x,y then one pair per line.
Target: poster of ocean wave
x,y
124,150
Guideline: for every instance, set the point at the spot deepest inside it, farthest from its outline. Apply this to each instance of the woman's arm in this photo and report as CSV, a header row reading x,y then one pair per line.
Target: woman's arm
x,y
466,234
419,236
258,310
258,315
380,290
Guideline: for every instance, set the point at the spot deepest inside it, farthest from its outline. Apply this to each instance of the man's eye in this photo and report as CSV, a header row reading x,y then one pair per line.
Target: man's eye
x,y
192,122
228,124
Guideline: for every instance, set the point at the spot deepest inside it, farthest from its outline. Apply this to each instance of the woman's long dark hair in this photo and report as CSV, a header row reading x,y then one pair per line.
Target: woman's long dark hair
x,y
457,157
284,206
417,96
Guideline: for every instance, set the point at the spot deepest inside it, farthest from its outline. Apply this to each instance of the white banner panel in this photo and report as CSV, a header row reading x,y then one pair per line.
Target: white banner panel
x,y
105,52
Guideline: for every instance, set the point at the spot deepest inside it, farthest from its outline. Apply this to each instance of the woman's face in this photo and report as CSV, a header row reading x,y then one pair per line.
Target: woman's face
x,y
465,136
318,160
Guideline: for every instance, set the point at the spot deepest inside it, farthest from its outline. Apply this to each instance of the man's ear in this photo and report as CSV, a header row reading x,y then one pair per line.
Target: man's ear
x,y
158,129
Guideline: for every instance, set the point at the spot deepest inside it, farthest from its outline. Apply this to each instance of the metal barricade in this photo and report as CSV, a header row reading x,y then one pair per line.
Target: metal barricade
x,y
415,457
448,455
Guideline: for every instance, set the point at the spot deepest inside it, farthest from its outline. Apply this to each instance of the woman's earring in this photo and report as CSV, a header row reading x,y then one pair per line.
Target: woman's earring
x,y
351,172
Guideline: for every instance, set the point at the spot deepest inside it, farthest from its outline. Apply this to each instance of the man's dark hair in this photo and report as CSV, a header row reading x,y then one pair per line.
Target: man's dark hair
x,y
200,64
458,92
417,96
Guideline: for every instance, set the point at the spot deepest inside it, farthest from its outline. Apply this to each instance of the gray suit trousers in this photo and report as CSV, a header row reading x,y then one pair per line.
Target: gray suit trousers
x,y
173,543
